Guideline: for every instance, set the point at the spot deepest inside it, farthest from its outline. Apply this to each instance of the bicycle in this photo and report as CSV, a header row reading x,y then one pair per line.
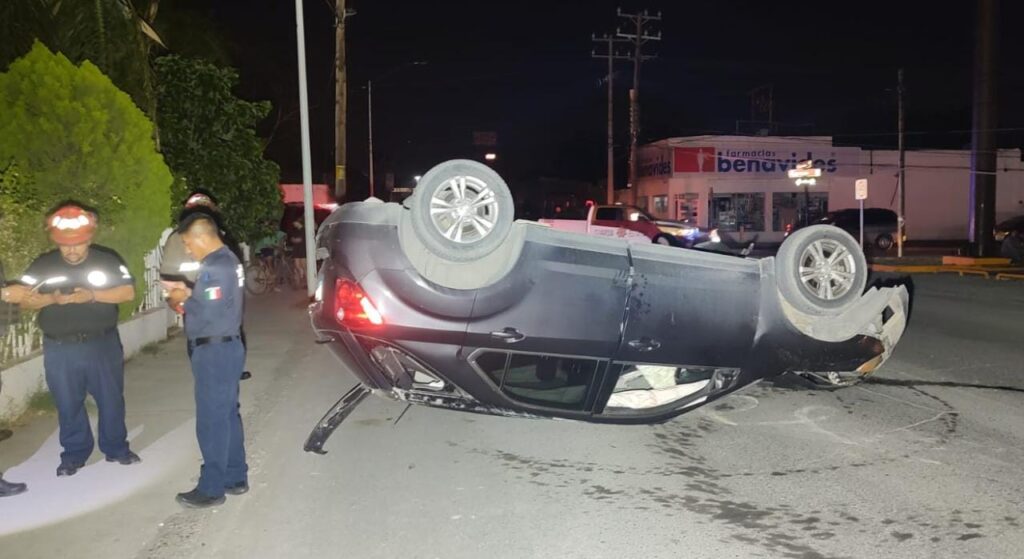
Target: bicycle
x,y
269,271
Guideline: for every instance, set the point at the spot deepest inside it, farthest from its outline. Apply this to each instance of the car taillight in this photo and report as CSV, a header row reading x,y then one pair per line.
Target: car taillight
x,y
352,308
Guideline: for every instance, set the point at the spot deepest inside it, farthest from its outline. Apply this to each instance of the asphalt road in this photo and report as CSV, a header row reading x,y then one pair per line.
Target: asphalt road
x,y
922,461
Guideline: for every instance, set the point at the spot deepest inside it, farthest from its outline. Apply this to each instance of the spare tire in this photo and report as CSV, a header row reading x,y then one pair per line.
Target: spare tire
x,y
821,270
461,210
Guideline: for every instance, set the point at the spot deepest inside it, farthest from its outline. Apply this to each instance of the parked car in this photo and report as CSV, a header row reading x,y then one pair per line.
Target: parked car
x,y
448,302
880,225
1006,228
632,222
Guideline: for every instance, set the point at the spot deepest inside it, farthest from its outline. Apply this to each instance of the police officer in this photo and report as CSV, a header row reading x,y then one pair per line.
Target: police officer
x,y
214,310
77,289
176,264
9,297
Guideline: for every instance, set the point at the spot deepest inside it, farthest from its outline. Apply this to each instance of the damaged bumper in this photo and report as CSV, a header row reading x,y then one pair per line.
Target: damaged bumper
x,y
880,316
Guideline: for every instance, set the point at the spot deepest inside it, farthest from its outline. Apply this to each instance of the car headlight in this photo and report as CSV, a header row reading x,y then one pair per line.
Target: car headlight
x,y
678,231
714,236
999,235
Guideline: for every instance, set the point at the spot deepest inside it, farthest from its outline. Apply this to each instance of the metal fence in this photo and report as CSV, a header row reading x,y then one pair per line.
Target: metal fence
x,y
24,338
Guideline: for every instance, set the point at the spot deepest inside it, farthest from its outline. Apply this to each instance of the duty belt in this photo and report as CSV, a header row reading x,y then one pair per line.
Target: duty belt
x,y
79,337
196,342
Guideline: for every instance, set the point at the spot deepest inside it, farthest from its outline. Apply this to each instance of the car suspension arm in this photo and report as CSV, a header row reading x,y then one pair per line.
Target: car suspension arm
x,y
333,418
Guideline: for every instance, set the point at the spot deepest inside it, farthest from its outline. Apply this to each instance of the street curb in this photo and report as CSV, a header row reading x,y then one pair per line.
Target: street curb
x,y
1001,272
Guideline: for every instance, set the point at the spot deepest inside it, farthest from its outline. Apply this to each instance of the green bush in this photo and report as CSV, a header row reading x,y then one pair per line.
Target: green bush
x,y
209,139
67,132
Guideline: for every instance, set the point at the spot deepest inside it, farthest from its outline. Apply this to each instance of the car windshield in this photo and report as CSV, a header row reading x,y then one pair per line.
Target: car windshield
x,y
642,215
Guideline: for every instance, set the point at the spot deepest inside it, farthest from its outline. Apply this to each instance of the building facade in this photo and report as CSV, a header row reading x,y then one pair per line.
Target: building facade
x,y
739,184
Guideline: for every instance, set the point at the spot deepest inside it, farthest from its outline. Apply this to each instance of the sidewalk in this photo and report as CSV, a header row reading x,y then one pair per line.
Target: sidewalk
x,y
161,425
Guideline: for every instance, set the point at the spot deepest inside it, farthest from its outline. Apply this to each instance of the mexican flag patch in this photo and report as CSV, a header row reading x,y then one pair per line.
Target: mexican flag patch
x,y
212,293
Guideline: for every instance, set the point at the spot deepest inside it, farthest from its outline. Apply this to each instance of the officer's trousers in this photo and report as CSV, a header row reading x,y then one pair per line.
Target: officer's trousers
x,y
95,366
216,368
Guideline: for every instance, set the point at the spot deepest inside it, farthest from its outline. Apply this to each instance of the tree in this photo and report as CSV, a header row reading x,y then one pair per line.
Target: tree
x,y
67,132
115,35
208,137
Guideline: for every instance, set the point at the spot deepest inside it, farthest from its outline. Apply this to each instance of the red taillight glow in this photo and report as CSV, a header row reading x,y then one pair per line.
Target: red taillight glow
x,y
352,308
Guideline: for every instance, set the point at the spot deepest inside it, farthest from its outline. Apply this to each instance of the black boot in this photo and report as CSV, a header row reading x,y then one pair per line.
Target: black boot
x,y
8,489
196,499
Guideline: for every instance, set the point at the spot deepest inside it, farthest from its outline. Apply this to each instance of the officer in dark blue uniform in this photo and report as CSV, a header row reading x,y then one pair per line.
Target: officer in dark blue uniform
x,y
214,310
77,289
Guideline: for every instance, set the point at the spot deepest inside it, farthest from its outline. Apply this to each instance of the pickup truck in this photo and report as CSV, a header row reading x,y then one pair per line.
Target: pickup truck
x,y
634,224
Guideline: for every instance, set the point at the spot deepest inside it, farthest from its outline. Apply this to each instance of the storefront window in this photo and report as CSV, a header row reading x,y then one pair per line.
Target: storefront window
x,y
687,207
735,212
660,208
790,208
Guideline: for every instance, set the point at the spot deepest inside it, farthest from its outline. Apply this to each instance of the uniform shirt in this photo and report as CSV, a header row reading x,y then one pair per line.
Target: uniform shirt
x,y
102,269
215,307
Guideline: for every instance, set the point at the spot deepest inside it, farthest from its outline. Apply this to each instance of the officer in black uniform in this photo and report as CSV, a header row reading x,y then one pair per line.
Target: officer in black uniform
x,y
9,297
177,265
214,310
77,289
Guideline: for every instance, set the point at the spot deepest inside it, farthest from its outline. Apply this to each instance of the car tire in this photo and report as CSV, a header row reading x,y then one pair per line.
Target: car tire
x,y
821,270
884,241
487,210
663,240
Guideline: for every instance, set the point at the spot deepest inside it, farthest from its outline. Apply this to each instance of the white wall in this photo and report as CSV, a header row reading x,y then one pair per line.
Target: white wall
x,y
25,379
937,190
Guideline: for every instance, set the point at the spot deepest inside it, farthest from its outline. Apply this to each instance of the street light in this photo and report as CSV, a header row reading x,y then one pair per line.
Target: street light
x,y
369,109
491,156
805,174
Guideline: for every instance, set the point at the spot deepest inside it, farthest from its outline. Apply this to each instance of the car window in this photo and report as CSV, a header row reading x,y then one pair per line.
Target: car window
x,y
541,380
609,214
643,387
492,363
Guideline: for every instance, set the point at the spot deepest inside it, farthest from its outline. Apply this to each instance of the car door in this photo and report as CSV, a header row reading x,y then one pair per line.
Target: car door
x,y
689,328
689,308
541,335
610,216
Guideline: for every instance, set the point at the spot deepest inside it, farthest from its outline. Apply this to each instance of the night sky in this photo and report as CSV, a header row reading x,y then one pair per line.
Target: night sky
x,y
523,70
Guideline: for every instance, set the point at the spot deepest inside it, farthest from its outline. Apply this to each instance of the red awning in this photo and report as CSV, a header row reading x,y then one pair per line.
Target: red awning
x,y
292,194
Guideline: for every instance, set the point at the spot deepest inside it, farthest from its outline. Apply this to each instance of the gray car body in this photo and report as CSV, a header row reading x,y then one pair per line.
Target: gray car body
x,y
574,295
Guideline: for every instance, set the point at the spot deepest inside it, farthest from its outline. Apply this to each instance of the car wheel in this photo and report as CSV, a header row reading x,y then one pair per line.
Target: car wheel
x,y
821,270
884,241
663,240
461,210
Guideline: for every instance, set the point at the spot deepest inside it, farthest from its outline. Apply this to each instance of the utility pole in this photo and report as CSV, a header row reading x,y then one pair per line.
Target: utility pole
x,y
639,37
340,98
369,121
983,133
901,181
307,167
612,57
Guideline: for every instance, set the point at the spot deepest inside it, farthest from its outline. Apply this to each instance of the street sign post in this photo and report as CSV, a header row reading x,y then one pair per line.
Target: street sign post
x,y
861,194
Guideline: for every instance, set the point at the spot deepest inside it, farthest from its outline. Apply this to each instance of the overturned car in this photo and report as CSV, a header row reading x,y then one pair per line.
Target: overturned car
x,y
446,301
